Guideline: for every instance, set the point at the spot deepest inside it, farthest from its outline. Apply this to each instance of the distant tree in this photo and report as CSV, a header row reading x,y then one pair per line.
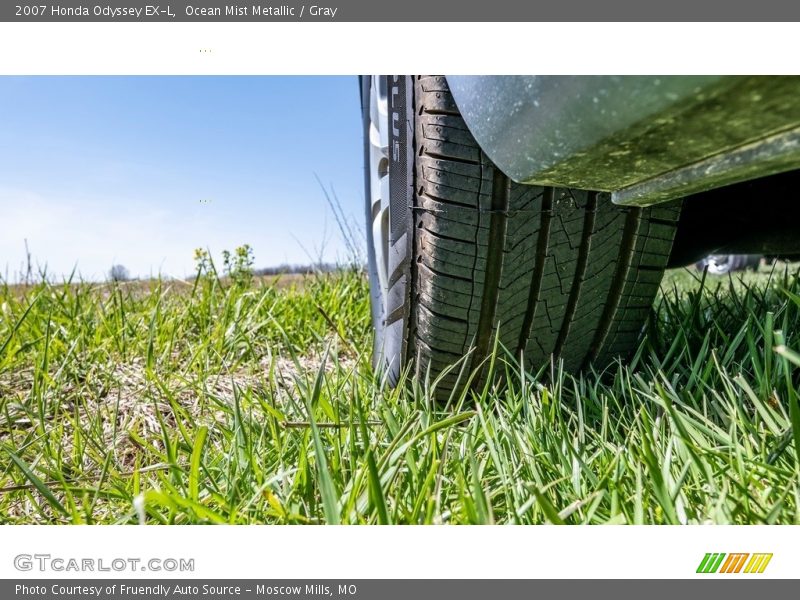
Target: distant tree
x,y
119,273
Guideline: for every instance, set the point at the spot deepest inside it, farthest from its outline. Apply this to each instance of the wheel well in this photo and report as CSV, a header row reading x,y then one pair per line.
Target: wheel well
x,y
753,217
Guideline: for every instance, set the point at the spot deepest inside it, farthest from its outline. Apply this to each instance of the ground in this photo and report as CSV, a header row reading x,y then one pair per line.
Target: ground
x,y
254,402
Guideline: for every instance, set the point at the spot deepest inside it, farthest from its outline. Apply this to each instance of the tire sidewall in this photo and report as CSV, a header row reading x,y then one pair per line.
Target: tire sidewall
x,y
390,340
375,299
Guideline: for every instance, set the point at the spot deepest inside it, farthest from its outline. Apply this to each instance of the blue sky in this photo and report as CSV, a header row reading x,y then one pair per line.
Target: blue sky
x,y
142,170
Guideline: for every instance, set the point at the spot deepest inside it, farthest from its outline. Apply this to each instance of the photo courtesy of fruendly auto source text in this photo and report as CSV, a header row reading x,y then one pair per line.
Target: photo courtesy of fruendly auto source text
x,y
252,286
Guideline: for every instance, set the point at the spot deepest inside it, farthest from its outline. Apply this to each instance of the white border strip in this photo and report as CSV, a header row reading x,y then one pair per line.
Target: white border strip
x,y
274,552
349,48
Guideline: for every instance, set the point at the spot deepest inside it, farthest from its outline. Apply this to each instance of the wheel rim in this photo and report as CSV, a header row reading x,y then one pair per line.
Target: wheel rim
x,y
719,264
379,180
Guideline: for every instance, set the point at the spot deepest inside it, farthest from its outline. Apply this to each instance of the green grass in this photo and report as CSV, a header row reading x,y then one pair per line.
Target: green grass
x,y
167,403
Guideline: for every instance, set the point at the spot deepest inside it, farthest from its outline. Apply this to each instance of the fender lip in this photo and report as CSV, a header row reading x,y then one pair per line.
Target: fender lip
x,y
645,139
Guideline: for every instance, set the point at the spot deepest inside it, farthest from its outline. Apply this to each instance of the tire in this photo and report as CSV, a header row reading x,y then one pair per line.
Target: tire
x,y
472,258
722,264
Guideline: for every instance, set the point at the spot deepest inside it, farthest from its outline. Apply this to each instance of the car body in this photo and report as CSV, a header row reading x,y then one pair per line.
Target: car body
x,y
646,140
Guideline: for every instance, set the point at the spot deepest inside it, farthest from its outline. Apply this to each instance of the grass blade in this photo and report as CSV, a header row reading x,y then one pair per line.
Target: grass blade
x,y
38,483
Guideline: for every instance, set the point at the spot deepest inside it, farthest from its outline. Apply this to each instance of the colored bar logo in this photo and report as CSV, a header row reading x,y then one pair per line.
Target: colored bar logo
x,y
719,562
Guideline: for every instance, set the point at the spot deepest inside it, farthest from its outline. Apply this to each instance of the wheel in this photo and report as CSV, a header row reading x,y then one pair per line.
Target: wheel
x,y
461,257
722,264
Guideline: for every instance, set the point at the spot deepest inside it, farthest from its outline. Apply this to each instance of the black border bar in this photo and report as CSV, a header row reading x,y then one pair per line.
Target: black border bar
x,y
405,11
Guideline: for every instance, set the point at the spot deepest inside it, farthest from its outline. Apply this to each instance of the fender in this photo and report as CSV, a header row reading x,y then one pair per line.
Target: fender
x,y
645,139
